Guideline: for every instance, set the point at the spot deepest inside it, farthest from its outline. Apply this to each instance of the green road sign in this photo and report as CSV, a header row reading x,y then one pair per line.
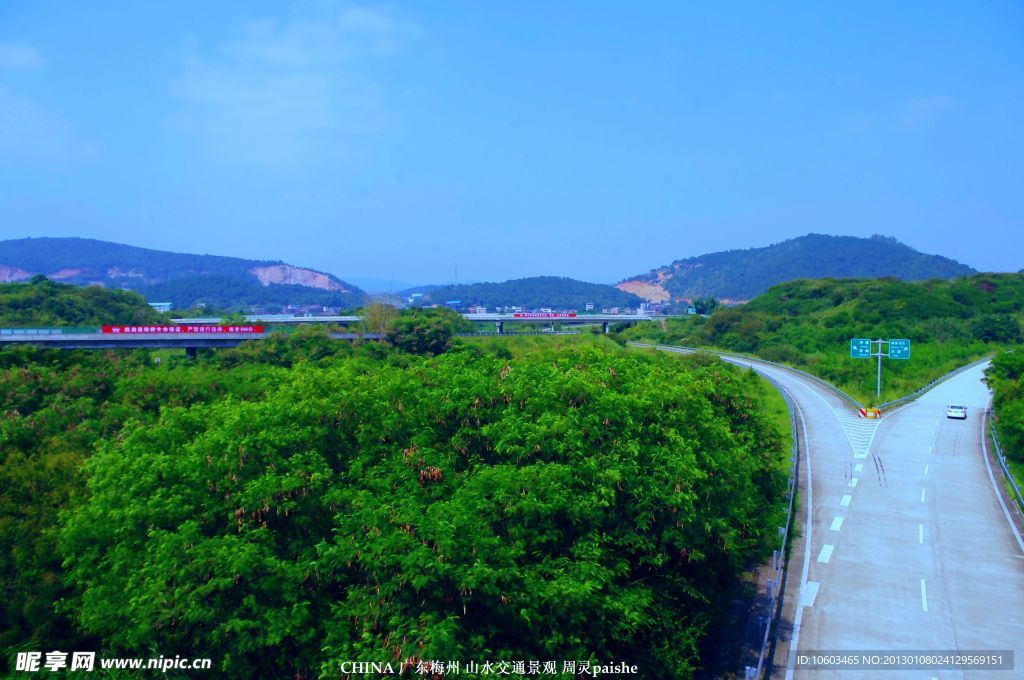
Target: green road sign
x,y
899,349
860,348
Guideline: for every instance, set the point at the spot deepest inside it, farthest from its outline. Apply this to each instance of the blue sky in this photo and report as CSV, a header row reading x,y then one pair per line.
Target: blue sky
x,y
587,139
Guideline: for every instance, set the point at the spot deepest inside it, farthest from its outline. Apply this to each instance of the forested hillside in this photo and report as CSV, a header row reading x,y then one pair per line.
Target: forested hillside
x,y
745,274
298,501
183,279
47,303
531,293
809,324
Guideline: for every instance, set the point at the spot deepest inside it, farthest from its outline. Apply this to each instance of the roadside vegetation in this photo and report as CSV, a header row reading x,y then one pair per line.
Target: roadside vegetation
x,y
809,323
1006,378
42,302
297,501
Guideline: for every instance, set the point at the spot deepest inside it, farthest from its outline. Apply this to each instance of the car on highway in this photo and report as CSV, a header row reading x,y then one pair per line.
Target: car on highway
x,y
953,411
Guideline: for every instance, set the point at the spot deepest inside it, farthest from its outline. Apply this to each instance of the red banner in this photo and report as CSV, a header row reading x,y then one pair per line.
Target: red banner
x,y
150,330
545,315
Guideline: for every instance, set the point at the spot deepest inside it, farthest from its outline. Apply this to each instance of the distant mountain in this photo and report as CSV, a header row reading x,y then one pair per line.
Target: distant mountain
x,y
184,280
739,275
531,293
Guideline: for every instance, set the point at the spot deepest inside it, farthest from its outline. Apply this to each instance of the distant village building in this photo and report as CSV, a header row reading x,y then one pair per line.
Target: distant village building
x,y
590,306
161,306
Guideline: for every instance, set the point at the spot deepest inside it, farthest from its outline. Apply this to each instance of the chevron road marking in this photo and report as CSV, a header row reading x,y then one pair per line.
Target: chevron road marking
x,y
859,431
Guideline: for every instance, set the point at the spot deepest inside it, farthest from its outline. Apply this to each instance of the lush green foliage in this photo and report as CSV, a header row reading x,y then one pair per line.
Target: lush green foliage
x,y
809,324
1006,378
744,274
57,407
295,501
47,303
425,331
531,293
183,279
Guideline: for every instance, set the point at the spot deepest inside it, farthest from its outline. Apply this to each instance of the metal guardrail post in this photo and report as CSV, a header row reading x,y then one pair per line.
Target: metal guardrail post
x,y
1002,461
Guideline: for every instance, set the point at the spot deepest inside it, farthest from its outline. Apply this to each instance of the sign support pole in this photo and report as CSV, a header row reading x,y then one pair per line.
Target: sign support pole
x,y
878,389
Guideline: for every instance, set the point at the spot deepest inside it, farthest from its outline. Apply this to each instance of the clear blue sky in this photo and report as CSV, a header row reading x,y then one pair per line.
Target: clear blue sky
x,y
587,139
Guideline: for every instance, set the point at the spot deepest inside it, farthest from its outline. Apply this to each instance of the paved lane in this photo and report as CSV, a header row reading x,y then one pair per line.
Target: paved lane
x,y
907,546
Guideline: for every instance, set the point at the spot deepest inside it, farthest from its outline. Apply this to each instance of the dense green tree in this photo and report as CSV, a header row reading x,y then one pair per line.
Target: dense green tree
x,y
42,302
1006,378
425,331
553,505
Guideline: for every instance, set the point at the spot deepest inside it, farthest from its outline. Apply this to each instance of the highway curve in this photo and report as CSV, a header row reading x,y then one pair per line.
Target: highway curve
x,y
907,544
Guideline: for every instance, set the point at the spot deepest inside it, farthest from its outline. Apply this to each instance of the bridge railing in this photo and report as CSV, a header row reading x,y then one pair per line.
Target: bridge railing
x,y
62,330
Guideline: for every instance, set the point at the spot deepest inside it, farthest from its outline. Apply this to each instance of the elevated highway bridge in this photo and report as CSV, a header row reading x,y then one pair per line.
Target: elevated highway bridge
x,y
197,333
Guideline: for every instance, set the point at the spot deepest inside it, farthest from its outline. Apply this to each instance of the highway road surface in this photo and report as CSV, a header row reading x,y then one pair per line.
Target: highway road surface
x,y
907,547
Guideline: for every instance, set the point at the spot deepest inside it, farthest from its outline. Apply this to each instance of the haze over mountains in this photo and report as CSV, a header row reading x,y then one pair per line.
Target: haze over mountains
x,y
234,283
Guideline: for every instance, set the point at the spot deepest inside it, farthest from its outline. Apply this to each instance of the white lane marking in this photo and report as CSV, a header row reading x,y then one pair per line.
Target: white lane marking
x,y
926,469
811,593
845,500
853,482
929,450
826,553
798,619
859,467
922,495
860,455
924,597
920,533
837,524
999,496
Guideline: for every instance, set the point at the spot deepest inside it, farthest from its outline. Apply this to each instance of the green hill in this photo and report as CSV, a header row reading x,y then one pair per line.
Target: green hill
x,y
182,279
809,324
744,274
46,303
531,293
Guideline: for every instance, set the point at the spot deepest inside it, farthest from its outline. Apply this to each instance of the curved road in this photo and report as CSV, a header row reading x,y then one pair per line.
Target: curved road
x,y
907,545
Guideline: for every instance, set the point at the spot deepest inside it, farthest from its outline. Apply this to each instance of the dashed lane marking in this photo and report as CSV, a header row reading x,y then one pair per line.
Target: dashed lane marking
x,y
837,524
845,500
810,593
826,553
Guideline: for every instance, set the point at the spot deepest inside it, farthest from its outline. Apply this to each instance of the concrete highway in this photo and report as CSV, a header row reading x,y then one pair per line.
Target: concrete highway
x,y
907,542
908,545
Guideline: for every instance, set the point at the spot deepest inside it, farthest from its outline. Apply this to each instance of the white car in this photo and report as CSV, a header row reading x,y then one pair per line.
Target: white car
x,y
953,411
